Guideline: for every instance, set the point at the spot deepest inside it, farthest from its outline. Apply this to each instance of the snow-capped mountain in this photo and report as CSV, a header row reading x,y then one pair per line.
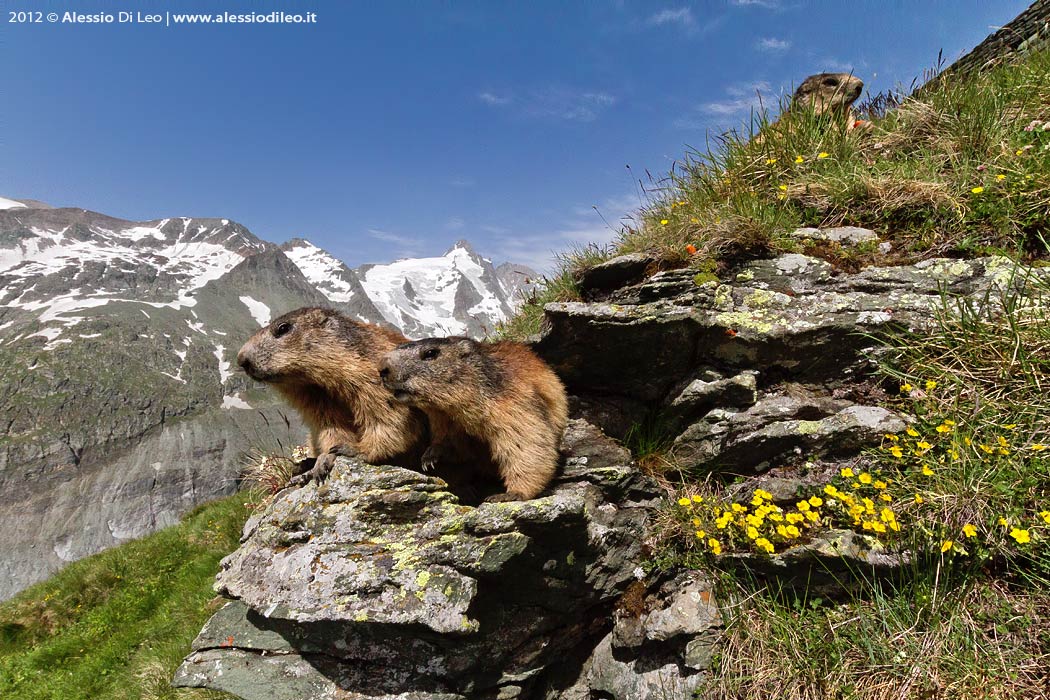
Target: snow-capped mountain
x,y
119,397
458,293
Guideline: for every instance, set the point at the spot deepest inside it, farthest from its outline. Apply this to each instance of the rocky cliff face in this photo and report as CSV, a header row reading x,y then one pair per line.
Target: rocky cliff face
x,y
119,401
381,583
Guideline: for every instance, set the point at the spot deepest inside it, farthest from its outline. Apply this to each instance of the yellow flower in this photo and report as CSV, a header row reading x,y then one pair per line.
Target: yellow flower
x,y
794,518
891,437
800,159
977,190
943,428
926,471
700,534
1000,177
1003,521
912,432
864,478
1045,515
887,515
822,154
905,388
695,220
946,546
831,491
782,188
763,543
714,545
752,532
771,161
879,484
698,498
1020,535
1019,151
930,385
738,508
878,527
1038,448
896,452
969,530
923,445
762,493
803,506
918,498
1002,441
816,501
987,448
682,203
664,222
813,516
847,472
684,501
885,497
792,531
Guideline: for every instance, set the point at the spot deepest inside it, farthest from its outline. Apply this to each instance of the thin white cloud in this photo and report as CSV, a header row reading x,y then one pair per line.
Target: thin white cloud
x,y
743,98
767,4
397,238
773,44
462,182
682,16
554,102
491,98
583,226
454,224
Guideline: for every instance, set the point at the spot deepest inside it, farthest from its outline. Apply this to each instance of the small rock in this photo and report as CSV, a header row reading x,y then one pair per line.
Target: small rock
x,y
689,609
614,273
843,235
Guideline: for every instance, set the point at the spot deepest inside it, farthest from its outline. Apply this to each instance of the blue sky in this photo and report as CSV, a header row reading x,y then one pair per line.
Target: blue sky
x,y
392,129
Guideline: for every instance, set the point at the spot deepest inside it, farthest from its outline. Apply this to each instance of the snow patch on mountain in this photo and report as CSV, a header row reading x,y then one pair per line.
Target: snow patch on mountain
x,y
6,203
259,311
224,365
322,269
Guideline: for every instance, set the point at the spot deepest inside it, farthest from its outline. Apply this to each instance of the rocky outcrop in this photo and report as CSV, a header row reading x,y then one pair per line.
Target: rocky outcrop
x,y
383,584
745,372
380,583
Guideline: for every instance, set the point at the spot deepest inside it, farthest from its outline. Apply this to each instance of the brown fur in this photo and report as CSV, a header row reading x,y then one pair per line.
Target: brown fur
x,y
832,94
497,394
825,94
326,365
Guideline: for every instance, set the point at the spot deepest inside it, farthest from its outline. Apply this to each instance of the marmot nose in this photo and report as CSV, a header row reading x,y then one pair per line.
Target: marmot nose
x,y
384,372
244,362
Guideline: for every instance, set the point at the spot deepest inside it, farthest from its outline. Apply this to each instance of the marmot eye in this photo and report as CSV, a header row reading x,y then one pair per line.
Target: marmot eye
x,y
430,353
281,329
831,82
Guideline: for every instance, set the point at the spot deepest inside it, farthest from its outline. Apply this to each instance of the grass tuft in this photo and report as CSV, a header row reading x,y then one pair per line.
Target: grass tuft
x,y
117,624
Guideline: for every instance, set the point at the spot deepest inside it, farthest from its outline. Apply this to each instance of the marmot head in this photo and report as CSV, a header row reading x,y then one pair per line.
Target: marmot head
x,y
440,372
308,346
827,92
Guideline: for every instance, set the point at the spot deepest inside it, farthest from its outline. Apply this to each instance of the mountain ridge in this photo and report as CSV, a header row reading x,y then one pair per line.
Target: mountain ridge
x,y
117,353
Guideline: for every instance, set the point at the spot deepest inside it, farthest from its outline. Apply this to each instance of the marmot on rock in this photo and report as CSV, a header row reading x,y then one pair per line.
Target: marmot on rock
x,y
499,395
326,365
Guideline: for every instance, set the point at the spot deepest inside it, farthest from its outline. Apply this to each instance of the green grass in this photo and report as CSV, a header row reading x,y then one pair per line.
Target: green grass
x,y
117,624
969,484
911,177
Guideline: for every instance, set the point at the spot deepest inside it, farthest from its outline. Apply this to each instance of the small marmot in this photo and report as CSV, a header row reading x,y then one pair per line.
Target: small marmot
x,y
326,365
828,94
498,394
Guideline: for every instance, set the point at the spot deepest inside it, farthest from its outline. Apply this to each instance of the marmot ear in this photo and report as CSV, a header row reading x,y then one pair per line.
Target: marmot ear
x,y
465,347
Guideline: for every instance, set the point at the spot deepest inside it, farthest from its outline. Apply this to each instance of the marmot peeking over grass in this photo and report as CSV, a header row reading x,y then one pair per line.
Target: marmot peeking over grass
x,y
326,365
498,394
831,94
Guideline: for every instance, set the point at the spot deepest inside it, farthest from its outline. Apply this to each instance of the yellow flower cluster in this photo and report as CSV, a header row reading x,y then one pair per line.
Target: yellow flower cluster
x,y
760,524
